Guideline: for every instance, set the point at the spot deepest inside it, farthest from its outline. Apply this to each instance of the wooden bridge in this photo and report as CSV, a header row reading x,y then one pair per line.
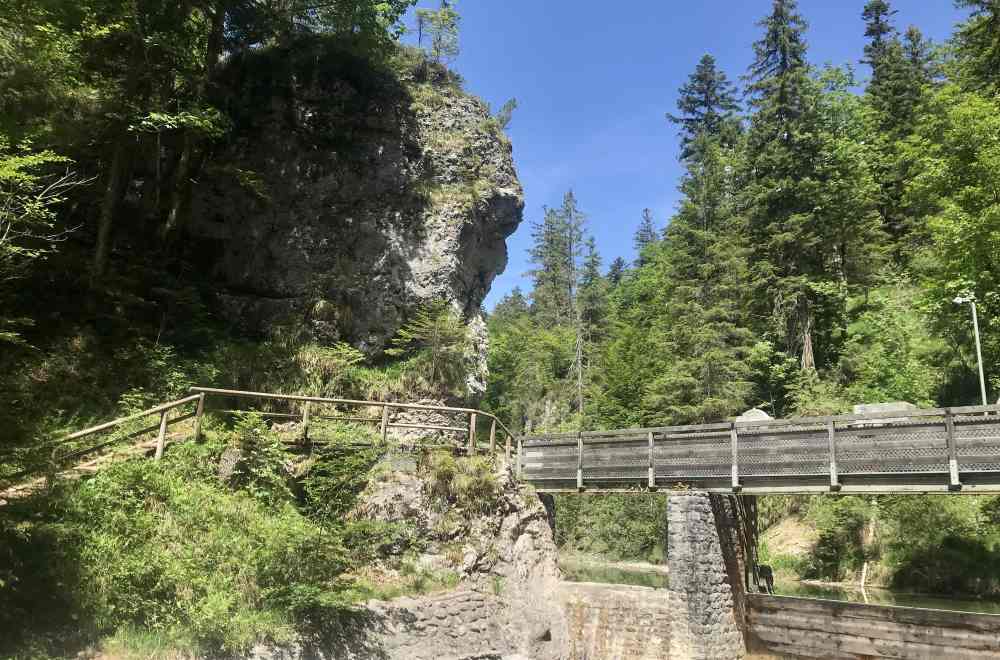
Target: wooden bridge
x,y
918,451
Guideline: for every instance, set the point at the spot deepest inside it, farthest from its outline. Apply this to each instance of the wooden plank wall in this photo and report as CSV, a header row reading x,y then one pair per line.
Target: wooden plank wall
x,y
808,628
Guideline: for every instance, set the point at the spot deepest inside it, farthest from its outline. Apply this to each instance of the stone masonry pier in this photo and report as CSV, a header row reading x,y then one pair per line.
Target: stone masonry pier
x,y
705,585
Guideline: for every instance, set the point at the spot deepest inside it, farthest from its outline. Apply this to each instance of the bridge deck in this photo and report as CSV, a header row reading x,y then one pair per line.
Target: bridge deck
x,y
939,450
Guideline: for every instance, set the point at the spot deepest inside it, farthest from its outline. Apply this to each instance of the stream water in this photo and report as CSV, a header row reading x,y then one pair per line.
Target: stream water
x,y
576,571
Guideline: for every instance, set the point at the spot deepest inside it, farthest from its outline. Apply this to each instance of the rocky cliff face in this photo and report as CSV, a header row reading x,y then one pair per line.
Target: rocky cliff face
x,y
352,193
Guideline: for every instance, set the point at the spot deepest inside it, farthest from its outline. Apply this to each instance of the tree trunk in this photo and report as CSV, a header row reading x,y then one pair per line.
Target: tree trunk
x,y
808,359
113,191
179,189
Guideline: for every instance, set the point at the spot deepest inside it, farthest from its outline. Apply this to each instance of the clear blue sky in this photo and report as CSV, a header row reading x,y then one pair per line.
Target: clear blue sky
x,y
593,81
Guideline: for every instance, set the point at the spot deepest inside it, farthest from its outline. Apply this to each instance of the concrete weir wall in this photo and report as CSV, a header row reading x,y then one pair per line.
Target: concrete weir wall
x,y
697,618
807,628
612,622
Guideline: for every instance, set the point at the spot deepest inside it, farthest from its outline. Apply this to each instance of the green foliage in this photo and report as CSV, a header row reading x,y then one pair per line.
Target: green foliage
x,y
29,196
979,45
506,113
441,26
436,343
470,483
708,107
165,546
339,472
616,527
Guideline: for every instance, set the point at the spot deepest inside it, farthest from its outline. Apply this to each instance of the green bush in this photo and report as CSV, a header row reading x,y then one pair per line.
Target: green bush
x,y
168,548
468,482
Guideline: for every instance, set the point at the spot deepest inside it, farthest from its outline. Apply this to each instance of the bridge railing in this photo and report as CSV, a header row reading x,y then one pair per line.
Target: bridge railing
x,y
919,450
381,415
67,450
70,453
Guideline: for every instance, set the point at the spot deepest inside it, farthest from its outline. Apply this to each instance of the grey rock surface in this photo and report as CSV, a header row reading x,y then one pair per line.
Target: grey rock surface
x,y
352,196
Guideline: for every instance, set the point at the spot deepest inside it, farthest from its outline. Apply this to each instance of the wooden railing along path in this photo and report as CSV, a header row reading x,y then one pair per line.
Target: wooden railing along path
x,y
938,450
66,455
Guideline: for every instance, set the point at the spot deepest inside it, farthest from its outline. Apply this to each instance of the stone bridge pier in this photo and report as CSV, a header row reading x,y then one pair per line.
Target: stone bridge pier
x,y
706,593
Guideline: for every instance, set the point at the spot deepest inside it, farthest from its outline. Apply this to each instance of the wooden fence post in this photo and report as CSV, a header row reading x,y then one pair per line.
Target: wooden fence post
x,y
507,446
652,465
305,422
493,436
199,412
385,425
831,438
519,456
161,437
735,451
949,423
472,434
579,461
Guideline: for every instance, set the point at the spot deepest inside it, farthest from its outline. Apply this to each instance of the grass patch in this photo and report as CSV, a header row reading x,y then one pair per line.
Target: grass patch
x,y
162,556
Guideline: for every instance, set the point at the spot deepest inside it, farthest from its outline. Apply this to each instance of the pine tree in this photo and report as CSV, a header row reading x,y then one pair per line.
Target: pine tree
x,y
552,276
705,339
645,235
707,104
918,52
441,26
879,29
807,194
900,70
979,44
593,297
616,271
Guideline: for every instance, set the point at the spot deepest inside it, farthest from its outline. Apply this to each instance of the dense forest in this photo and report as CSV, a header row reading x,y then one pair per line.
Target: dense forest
x,y
827,225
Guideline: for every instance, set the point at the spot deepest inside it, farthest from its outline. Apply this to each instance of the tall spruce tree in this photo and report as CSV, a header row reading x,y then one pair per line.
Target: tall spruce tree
x,y
616,271
879,29
784,145
707,105
645,235
979,44
807,193
705,338
900,70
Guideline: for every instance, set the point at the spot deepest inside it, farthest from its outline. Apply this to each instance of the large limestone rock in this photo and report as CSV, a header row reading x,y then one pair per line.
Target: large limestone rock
x,y
508,605
352,194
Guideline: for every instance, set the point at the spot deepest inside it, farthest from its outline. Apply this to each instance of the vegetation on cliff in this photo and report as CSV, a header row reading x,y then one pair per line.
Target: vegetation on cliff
x,y
811,265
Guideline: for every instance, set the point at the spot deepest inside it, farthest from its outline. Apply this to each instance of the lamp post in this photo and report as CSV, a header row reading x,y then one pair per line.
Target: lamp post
x,y
969,298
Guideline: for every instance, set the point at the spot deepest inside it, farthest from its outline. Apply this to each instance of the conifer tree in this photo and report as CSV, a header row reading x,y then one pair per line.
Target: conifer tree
x,y
979,44
900,70
441,26
616,271
593,297
879,29
645,235
553,269
705,338
809,230
707,104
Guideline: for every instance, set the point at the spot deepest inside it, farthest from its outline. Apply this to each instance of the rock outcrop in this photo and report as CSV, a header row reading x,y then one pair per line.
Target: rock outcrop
x,y
508,603
352,193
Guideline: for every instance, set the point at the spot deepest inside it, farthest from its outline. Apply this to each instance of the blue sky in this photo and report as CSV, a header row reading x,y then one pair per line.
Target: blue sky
x,y
593,81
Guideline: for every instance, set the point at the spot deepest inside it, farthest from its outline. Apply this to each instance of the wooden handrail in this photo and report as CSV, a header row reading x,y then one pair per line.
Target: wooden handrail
x,y
164,407
351,402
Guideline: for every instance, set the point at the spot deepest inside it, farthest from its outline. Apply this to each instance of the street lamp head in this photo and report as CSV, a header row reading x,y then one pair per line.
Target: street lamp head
x,y
966,298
